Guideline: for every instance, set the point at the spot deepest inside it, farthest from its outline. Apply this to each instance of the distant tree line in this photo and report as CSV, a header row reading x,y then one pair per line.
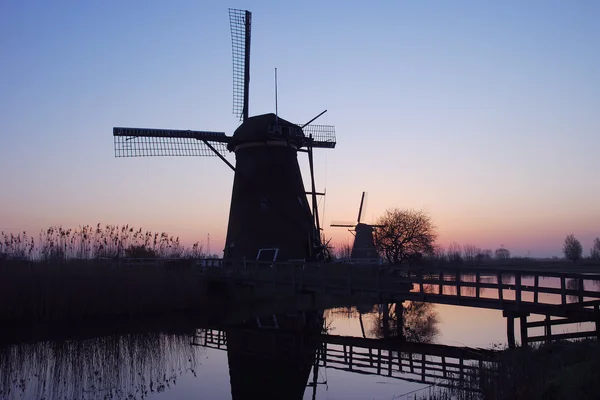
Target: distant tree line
x,y
409,237
573,250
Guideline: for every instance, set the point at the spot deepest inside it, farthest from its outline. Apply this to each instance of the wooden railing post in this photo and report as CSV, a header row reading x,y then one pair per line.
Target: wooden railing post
x,y
547,329
441,287
518,289
444,371
536,285
500,289
524,333
510,330
477,281
581,290
597,315
350,356
458,283
563,290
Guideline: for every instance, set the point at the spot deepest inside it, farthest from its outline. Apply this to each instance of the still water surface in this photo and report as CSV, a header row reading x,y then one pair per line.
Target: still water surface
x,y
170,364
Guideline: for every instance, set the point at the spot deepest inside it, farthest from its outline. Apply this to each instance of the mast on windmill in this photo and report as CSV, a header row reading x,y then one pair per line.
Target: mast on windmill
x,y
363,249
270,215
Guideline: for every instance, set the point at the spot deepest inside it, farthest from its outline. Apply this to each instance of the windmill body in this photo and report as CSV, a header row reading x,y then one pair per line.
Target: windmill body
x,y
269,217
269,208
364,245
363,248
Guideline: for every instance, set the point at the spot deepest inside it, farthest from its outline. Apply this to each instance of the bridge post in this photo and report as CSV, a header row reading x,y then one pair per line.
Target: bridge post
x,y
441,288
386,320
518,290
477,281
458,282
563,290
500,289
524,334
510,330
536,285
548,329
597,315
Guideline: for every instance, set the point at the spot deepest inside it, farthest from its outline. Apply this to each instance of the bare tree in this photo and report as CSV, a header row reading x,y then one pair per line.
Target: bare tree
x,y
502,254
471,253
595,250
455,253
572,248
343,251
404,235
484,255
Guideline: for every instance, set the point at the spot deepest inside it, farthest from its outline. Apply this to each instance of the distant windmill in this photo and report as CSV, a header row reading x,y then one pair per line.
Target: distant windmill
x,y
364,246
269,217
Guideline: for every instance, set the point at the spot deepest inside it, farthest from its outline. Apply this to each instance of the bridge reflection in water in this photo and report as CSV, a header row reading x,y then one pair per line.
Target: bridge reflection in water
x,y
282,350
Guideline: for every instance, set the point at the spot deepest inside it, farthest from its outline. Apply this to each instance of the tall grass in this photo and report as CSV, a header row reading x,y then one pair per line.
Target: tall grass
x,y
86,272
89,242
558,370
124,366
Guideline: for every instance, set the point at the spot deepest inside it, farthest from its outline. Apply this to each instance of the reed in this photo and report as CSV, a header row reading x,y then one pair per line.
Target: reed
x,y
89,242
73,274
558,370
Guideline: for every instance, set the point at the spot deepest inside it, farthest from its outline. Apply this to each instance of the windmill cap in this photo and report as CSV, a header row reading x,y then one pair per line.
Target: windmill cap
x,y
263,127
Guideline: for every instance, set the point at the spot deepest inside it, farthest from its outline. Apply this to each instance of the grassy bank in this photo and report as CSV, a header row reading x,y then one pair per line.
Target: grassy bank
x,y
95,271
560,370
49,292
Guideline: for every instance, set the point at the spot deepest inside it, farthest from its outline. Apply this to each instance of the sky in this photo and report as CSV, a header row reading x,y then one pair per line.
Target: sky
x,y
484,114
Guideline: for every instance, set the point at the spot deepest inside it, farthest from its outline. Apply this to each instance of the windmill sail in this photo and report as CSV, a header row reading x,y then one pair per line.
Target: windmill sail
x,y
142,142
269,210
240,22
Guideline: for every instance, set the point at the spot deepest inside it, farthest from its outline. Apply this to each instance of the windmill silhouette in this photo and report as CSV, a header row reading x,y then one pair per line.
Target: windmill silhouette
x,y
270,216
364,245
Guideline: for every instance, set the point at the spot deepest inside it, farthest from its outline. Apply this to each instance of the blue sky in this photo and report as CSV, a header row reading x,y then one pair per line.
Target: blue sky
x,y
485,114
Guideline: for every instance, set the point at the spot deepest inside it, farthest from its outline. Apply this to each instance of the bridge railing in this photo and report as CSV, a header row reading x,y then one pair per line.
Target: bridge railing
x,y
414,362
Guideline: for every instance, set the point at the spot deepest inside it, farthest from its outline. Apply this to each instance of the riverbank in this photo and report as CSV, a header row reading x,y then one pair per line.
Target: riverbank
x,y
74,290
559,370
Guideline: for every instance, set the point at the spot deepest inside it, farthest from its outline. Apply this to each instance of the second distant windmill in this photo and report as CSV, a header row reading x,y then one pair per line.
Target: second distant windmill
x,y
363,248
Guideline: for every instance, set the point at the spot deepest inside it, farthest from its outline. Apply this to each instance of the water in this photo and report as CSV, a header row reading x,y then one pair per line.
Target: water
x,y
180,358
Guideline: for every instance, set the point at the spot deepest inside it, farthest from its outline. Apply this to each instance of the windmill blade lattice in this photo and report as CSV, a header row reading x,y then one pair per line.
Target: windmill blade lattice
x,y
240,22
141,142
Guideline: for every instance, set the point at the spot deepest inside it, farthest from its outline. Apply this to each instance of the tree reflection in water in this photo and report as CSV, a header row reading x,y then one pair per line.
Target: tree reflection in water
x,y
115,367
412,320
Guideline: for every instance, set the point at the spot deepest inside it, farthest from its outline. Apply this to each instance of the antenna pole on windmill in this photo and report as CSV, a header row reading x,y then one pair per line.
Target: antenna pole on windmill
x,y
276,114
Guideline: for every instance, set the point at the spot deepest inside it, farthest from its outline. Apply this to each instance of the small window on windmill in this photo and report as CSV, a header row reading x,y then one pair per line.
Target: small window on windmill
x,y
267,256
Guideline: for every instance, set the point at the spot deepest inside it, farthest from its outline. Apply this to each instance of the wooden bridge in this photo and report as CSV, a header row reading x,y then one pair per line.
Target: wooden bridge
x,y
432,364
561,297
